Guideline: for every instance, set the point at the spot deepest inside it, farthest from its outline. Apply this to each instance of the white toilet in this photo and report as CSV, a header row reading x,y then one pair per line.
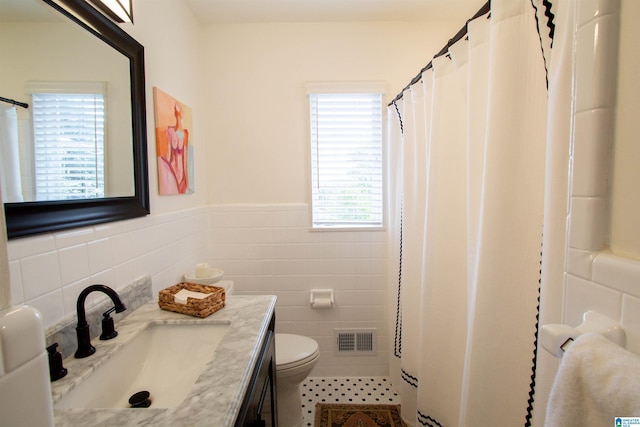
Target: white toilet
x,y
296,355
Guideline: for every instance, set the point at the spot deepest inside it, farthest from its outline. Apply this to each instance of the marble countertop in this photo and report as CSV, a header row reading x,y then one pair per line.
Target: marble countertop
x,y
217,394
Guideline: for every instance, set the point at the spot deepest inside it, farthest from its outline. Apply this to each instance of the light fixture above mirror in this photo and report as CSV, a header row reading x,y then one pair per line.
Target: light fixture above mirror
x,y
118,10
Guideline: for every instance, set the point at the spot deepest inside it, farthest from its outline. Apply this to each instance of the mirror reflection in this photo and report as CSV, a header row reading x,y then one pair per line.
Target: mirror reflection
x,y
74,140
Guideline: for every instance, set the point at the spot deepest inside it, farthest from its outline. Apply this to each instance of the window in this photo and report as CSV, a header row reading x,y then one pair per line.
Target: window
x,y
346,159
68,134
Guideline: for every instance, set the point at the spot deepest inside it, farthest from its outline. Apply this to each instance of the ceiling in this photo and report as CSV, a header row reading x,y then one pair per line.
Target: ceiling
x,y
245,11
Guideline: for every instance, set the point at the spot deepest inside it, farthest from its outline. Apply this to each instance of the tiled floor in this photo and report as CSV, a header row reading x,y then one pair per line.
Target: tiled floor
x,y
344,390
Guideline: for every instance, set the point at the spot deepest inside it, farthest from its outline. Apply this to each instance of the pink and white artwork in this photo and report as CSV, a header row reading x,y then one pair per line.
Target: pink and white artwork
x,y
174,144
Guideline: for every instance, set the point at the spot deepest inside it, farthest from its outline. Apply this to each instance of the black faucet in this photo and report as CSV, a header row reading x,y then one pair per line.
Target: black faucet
x,y
85,348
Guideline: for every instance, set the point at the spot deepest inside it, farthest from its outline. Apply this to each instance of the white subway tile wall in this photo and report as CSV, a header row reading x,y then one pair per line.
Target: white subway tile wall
x,y
271,249
596,279
48,271
264,249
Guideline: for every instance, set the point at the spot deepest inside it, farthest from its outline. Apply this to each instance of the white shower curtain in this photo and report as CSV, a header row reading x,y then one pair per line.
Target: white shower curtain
x,y
9,155
472,153
559,128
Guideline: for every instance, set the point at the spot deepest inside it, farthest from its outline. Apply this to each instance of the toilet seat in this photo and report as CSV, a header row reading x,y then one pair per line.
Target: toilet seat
x,y
295,350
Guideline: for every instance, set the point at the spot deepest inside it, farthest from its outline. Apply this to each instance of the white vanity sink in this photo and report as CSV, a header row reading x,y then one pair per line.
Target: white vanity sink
x,y
164,359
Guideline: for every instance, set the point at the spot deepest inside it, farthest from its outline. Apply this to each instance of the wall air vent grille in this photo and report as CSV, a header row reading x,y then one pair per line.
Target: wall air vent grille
x,y
355,342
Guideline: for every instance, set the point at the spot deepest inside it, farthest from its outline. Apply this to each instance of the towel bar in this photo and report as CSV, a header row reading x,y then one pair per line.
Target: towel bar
x,y
556,338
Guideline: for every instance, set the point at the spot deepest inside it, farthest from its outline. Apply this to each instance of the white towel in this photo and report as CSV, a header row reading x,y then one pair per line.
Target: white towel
x,y
597,382
181,296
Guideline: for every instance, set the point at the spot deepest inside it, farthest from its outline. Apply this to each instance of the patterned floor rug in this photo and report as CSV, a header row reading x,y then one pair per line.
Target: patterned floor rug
x,y
350,415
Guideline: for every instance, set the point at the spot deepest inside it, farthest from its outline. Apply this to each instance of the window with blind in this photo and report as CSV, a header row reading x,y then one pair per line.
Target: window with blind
x,y
69,134
346,159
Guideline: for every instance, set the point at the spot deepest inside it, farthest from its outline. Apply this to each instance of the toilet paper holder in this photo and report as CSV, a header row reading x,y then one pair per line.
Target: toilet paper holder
x,y
321,298
556,338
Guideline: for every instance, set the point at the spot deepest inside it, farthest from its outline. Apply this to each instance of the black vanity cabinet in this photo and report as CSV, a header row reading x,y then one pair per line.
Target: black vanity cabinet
x,y
259,408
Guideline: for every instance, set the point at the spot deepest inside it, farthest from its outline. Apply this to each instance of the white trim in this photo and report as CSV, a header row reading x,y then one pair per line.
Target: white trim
x,y
346,87
66,87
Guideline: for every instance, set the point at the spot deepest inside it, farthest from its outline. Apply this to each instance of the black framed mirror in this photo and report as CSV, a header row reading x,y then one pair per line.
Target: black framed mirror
x,y
34,217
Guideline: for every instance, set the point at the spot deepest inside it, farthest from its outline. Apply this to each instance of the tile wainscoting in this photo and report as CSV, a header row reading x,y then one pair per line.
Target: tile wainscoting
x,y
271,249
49,271
264,249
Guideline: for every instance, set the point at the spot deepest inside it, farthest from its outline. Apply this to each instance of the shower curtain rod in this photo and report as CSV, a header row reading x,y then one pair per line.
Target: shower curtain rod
x,y
460,34
14,102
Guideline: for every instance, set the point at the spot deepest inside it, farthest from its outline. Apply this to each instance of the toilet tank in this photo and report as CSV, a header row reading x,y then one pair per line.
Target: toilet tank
x,y
24,371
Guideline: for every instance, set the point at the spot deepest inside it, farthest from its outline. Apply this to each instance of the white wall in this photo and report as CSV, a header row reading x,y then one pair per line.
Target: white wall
x,y
173,62
255,94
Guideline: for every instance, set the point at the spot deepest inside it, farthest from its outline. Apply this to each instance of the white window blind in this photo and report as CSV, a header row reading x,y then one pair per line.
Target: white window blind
x,y
68,131
346,159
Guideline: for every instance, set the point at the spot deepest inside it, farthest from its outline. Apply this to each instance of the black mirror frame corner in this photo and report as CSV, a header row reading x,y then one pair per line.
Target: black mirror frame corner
x,y
25,219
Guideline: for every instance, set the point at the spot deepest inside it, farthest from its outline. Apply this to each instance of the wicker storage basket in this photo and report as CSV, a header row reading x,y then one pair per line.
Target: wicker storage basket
x,y
194,306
